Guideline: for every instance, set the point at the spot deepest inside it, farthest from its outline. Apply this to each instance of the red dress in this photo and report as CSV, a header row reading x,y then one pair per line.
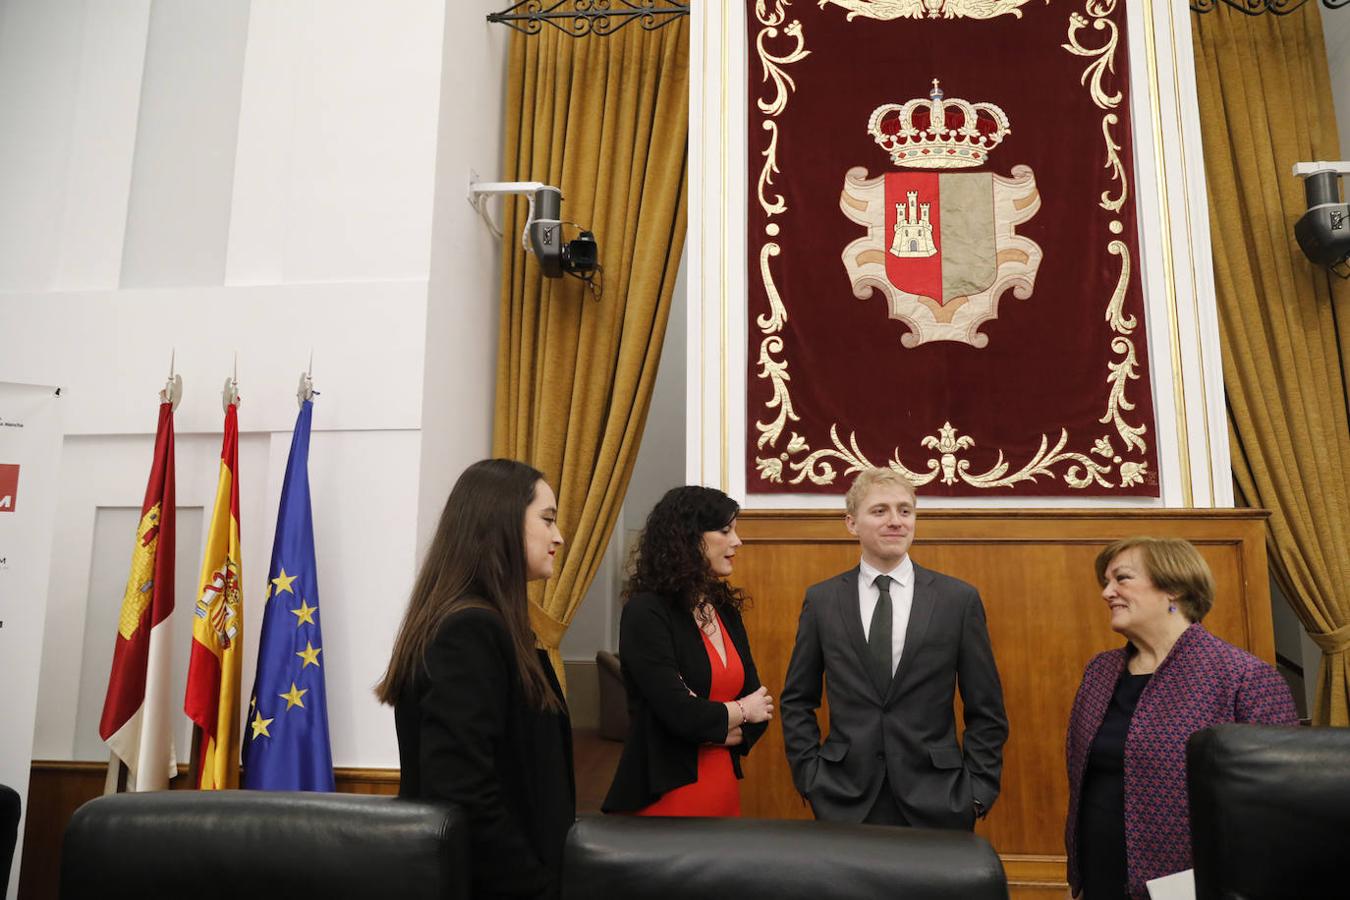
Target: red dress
x,y
716,792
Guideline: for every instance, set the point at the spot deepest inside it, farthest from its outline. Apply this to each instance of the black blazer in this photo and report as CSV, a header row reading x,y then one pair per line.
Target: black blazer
x,y
663,659
466,734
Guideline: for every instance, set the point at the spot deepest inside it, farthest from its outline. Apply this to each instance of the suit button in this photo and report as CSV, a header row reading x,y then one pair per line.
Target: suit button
x,y
881,756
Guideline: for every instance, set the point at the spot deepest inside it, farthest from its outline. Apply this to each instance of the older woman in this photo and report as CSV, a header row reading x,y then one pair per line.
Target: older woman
x,y
1136,708
694,699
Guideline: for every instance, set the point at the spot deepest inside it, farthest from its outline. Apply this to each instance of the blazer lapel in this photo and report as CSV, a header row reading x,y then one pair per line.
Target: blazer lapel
x,y
690,656
920,615
846,602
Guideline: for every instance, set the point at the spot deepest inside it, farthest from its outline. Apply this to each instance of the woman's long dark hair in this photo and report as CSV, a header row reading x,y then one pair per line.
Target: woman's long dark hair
x,y
669,557
477,559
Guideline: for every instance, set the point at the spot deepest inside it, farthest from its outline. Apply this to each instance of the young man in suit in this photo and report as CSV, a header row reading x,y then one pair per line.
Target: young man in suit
x,y
893,641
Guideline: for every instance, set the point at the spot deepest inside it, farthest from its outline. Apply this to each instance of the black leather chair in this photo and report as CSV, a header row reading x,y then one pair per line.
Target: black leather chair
x,y
673,859
10,807
263,845
1270,811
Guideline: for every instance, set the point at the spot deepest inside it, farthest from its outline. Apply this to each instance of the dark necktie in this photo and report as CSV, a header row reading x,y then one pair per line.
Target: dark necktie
x,y
879,634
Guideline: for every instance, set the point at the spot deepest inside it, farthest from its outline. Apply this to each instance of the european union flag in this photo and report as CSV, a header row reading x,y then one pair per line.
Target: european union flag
x,y
286,746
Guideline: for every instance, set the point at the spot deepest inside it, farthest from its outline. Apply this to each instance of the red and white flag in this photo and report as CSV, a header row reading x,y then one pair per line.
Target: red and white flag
x,y
138,716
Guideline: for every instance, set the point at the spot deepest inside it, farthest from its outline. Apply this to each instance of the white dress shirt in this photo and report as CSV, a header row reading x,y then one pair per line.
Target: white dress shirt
x,y
902,599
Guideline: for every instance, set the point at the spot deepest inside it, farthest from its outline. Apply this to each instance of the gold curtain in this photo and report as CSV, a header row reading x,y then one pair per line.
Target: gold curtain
x,y
607,120
1265,103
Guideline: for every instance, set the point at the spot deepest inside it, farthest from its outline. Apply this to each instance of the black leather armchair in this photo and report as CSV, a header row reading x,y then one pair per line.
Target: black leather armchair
x,y
9,832
264,845
613,697
673,859
1270,811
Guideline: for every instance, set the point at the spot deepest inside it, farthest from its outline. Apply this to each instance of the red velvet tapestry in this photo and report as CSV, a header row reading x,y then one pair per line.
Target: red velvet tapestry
x,y
943,256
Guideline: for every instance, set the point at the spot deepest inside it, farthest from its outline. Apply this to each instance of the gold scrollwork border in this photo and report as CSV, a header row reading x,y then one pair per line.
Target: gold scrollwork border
x,y
795,461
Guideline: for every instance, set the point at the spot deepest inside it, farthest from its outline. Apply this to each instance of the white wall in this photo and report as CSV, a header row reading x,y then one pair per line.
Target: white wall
x,y
1336,34
337,227
658,468
460,354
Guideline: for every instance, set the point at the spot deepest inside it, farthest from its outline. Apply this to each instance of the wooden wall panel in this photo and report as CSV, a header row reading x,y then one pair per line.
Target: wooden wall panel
x,y
1046,620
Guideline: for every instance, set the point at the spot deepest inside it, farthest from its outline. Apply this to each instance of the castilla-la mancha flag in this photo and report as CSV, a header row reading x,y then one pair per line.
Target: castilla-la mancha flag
x,y
137,723
212,701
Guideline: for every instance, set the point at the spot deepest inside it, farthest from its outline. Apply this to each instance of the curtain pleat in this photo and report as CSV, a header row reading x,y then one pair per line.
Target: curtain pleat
x,y
1265,103
607,120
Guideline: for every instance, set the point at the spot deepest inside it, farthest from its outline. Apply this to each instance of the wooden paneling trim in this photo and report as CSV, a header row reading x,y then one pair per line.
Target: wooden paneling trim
x,y
346,777
1032,871
985,524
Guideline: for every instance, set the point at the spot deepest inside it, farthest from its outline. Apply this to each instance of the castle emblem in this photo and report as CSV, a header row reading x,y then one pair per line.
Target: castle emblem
x,y
941,245
913,234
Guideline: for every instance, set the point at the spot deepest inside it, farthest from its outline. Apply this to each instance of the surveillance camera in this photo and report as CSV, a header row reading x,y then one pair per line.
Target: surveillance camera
x,y
543,234
1323,232
558,257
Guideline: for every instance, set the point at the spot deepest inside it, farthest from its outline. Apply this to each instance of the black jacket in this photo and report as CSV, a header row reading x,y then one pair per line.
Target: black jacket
x,y
663,659
466,734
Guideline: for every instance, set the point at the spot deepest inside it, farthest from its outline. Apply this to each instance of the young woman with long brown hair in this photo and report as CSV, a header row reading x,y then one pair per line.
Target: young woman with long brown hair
x,y
479,713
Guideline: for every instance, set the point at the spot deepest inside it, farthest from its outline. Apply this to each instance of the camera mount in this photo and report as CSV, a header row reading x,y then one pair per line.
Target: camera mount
x,y
1323,232
543,232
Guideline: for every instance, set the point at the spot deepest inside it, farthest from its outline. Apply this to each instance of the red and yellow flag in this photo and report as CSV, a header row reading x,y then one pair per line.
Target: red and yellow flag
x,y
212,700
137,724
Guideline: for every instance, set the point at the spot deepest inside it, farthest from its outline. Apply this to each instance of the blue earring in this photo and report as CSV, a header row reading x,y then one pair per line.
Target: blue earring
x,y
1171,608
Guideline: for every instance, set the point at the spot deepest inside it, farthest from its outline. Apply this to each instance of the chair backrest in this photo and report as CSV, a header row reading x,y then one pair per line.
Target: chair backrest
x,y
10,807
1270,810
672,859
613,697
262,845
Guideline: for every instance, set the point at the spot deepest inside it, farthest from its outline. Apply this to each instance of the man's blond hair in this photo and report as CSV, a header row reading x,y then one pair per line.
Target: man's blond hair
x,y
876,477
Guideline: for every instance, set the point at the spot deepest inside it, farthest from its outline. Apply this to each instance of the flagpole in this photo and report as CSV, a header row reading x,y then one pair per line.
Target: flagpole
x,y
195,767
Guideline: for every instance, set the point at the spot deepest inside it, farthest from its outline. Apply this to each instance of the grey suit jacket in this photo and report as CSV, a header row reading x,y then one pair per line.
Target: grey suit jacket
x,y
905,730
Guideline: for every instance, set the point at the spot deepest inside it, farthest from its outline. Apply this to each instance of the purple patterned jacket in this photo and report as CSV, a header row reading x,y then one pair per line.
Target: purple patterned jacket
x,y
1203,681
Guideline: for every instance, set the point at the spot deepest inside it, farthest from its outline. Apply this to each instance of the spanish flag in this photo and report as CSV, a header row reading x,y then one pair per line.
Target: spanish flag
x,y
218,629
137,724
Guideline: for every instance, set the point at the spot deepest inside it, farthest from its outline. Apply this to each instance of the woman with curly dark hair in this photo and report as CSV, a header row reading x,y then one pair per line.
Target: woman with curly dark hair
x,y
695,703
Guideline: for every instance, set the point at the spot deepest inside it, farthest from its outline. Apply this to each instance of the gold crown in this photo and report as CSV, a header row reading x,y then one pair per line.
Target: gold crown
x,y
938,133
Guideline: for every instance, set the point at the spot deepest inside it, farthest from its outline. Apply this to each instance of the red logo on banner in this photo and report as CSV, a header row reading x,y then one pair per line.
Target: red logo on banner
x,y
9,486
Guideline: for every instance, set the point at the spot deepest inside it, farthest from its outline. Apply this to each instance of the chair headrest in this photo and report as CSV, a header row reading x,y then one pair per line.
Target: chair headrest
x,y
639,858
1270,808
264,844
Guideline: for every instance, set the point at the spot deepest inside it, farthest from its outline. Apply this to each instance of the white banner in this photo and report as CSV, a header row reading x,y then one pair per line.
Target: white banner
x,y
30,459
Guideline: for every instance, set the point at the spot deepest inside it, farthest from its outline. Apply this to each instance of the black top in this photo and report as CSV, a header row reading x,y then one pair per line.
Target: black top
x,y
466,734
1101,818
667,676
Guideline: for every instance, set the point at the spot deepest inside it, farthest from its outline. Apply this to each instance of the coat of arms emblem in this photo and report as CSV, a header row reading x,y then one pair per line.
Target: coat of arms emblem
x,y
941,245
